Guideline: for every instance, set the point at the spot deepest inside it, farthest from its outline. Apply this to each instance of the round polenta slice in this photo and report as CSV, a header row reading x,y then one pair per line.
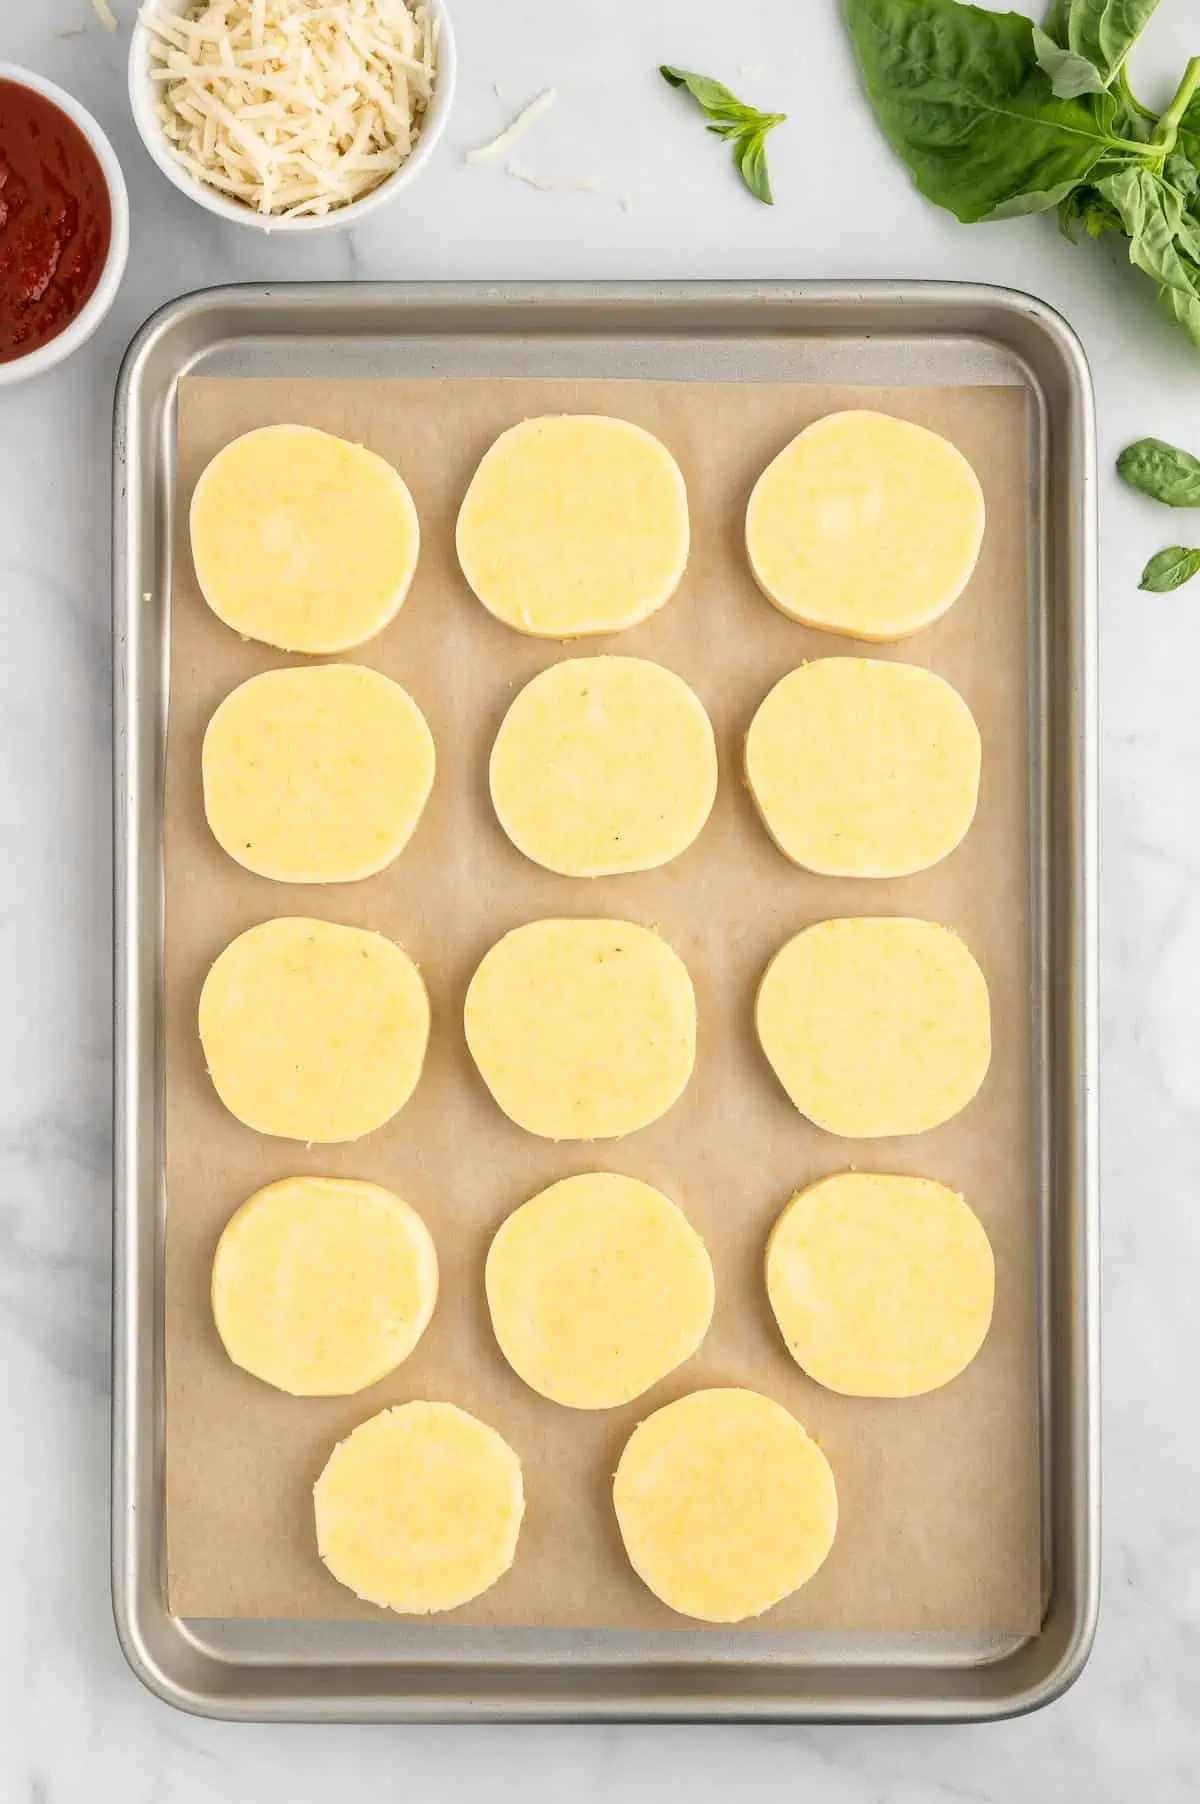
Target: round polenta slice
x,y
725,1505
321,1286
313,1031
582,1030
604,765
876,1026
598,1287
574,524
865,525
316,775
861,768
882,1286
420,1508
302,540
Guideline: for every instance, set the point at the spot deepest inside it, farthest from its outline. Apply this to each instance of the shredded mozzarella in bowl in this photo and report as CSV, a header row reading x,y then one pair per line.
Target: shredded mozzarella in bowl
x,y
292,109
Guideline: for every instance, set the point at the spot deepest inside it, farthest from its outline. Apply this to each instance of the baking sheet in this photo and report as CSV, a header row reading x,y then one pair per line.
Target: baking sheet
x,y
940,1495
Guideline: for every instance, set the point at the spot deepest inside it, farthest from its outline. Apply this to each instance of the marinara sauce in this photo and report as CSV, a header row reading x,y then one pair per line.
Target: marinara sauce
x,y
55,220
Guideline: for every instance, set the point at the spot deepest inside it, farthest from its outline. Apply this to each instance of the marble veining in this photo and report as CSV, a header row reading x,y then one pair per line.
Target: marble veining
x,y
73,1722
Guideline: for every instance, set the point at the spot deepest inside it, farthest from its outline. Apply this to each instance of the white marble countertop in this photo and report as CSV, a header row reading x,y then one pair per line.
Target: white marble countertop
x,y
74,1724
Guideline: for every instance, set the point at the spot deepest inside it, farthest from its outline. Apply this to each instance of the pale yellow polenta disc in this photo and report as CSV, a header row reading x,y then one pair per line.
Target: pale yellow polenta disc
x,y
598,1287
725,1505
604,765
862,768
582,1030
865,525
320,1286
303,540
882,1286
876,1026
574,524
313,1031
316,775
420,1508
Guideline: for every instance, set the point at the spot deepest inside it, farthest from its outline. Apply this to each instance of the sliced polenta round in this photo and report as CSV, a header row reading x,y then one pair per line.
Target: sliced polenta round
x,y
302,540
876,1026
598,1287
574,524
420,1508
725,1505
316,775
865,525
582,1030
313,1031
321,1286
881,1286
861,768
604,765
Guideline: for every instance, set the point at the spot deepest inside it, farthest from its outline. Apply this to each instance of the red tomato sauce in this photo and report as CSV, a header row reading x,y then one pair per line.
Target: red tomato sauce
x,y
55,220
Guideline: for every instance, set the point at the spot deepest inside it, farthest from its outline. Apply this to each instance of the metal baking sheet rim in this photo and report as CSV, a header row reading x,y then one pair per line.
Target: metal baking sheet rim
x,y
931,1678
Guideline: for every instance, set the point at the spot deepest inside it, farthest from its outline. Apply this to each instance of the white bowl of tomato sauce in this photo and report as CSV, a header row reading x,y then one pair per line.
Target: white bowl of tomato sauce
x,y
64,224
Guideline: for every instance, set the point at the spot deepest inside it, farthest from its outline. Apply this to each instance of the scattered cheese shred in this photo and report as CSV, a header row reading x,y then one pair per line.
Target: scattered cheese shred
x,y
553,184
105,14
524,121
292,106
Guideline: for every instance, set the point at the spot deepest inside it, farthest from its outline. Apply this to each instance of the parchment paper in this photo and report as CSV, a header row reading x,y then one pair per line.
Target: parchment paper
x,y
939,1495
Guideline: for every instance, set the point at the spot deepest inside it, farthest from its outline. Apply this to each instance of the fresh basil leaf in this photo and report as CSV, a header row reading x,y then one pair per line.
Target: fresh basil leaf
x,y
1085,43
717,101
960,97
1055,27
713,96
1164,241
1182,174
751,158
1170,569
742,126
1105,31
1162,471
1181,299
1070,74
1086,210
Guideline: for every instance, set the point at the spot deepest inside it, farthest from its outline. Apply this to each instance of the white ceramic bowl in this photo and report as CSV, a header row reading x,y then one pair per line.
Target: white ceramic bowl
x,y
143,98
101,298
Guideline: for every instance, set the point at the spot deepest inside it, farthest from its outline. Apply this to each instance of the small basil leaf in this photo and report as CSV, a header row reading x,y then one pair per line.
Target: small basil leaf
x,y
1105,31
715,98
1182,174
1070,74
712,95
1170,569
751,155
1162,471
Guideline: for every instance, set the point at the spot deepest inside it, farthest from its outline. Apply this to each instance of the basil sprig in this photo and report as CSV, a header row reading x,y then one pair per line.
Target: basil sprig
x,y
995,117
743,126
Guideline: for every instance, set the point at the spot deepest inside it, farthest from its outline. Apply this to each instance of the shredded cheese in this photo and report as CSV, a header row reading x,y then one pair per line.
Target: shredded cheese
x,y
292,106
105,14
553,184
524,121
